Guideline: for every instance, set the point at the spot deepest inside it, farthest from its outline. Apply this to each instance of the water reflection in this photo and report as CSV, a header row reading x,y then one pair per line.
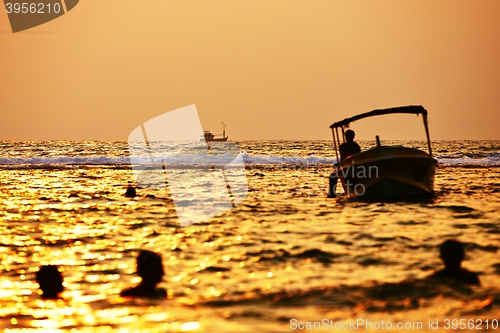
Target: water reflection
x,y
252,268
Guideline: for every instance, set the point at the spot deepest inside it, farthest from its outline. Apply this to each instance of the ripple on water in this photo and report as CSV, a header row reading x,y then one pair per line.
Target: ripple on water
x,y
276,256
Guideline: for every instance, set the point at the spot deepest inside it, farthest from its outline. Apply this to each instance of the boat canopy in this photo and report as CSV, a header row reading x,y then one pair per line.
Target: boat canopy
x,y
411,109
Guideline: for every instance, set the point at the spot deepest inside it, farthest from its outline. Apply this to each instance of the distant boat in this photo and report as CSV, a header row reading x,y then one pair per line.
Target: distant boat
x,y
209,137
385,173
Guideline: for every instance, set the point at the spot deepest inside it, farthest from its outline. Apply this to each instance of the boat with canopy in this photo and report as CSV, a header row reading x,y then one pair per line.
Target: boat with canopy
x,y
384,173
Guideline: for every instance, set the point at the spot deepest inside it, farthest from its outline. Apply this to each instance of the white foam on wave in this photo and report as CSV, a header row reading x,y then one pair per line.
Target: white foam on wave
x,y
168,159
491,159
486,161
272,159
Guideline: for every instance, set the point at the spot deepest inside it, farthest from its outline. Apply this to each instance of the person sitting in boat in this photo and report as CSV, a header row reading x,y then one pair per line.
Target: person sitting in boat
x,y
346,149
452,254
50,281
150,269
349,147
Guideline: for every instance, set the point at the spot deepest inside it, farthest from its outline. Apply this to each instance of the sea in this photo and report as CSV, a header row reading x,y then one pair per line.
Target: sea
x,y
281,258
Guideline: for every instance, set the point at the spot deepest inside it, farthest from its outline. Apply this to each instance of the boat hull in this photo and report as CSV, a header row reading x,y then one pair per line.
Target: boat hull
x,y
217,140
209,137
388,174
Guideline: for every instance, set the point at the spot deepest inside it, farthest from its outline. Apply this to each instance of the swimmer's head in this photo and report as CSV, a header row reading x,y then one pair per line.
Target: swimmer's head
x,y
50,280
150,267
452,252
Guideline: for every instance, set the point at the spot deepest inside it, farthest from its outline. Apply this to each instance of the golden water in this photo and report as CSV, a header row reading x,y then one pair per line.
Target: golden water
x,y
285,255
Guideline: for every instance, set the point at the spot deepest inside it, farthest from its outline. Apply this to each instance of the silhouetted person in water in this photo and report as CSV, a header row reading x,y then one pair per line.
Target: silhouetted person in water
x,y
150,269
452,254
349,147
130,193
50,280
346,149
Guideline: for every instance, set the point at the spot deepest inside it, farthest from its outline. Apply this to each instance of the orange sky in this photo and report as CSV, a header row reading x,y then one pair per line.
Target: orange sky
x,y
270,69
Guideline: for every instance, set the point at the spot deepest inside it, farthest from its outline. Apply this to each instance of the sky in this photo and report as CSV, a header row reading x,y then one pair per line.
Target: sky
x,y
270,69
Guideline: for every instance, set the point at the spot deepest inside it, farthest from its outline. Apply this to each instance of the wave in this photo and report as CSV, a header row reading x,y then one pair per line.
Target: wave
x,y
460,159
480,159
65,160
195,159
402,296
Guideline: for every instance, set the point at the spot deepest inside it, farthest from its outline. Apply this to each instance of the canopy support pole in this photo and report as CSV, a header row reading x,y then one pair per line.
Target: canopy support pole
x,y
335,146
338,140
424,117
